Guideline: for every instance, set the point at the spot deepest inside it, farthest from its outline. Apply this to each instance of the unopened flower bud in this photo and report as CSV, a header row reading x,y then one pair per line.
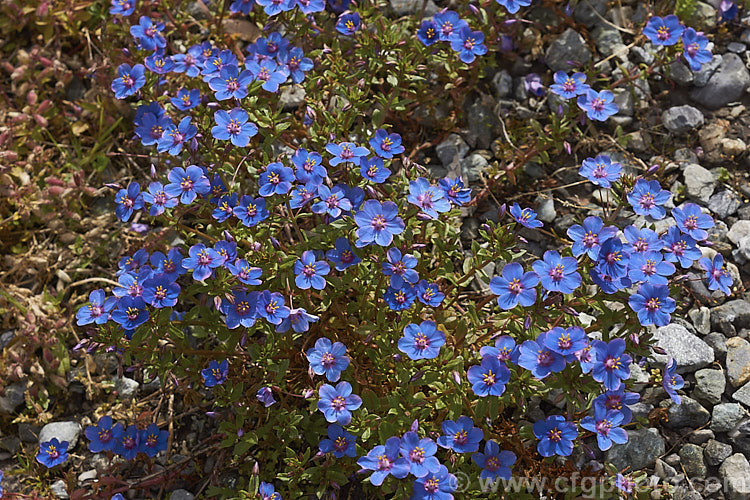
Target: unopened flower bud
x,y
256,469
456,377
372,193
275,243
415,425
126,52
653,168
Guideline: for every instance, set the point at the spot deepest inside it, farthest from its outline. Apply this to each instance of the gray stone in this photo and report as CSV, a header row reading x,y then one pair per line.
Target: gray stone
x,y
63,431
699,182
682,119
726,417
664,470
644,446
726,85
452,149
689,413
503,83
473,166
406,7
690,352
607,39
700,436
643,56
14,397
724,203
680,73
624,100
570,46
640,410
736,312
590,13
738,361
704,15
5,338
88,475
707,70
701,319
736,47
126,387
738,231
709,386
742,395
481,121
59,490
181,495
292,97
691,458
735,471
716,452
546,210
685,493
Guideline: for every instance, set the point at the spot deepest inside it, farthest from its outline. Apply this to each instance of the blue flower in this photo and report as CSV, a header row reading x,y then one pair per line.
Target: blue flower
x,y
647,198
566,342
103,435
251,210
332,201
539,359
243,311
653,304
187,183
601,171
514,5
378,223
671,381
526,217
273,7
214,63
230,83
605,424
618,400
468,44
649,268
695,52
611,365
129,263
148,34
295,60
642,241
151,128
337,403
435,486
328,359
277,179
386,145
401,299
455,191
169,265
373,170
448,23
225,208
97,310
271,307
202,261
588,237
158,199
308,167
384,460
302,195
421,341
246,274
612,259
269,73
429,294
52,453
505,349
489,377
348,23
241,6
311,6
128,200
346,152
128,443
298,320
131,283
665,31
160,291
158,63
607,283
420,454
460,436
569,86
123,8
130,312
718,278
190,63
400,268
216,373
494,463
272,46
340,442
680,248
692,221
342,255
152,440
514,287
265,396
310,272
266,490
557,274
174,137
430,199
555,436
598,106
428,32
234,126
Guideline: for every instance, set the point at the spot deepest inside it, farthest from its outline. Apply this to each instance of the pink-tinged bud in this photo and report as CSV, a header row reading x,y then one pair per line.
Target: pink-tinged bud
x,y
658,350
372,193
417,376
698,151
319,454
56,190
423,217
523,240
346,107
311,372
501,210
361,84
153,171
566,146
113,185
217,303
653,168
308,393
42,10
212,414
527,323
509,22
256,469
485,227
474,9
635,338
31,97
9,155
45,106
707,243
397,358
456,377
45,62
126,52
368,339
243,339
41,121
682,277
139,228
54,181
418,245
255,246
240,433
275,243
571,311
414,425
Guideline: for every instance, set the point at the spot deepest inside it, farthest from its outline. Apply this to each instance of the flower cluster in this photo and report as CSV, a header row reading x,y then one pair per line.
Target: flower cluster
x,y
125,442
447,26
668,31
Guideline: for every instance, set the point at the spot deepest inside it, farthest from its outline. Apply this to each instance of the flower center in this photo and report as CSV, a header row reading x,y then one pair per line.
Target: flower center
x,y
492,464
649,268
647,201
603,427
417,455
590,239
662,33
309,270
489,378
340,444
691,222
557,273
653,304
384,463
132,313
378,222
234,127
597,104
338,403
569,85
186,184
554,435
611,363
327,360
461,437
203,258
160,293
421,341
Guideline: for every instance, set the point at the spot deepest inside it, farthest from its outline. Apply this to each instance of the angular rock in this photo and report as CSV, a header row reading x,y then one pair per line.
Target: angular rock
x,y
607,39
644,446
691,458
682,119
58,488
735,312
690,352
701,319
292,97
181,495
406,7
726,417
688,414
452,149
716,452
739,230
738,361
569,46
707,70
735,471
503,83
718,343
699,182
63,431
726,85
724,203
709,386
590,13
126,387
742,395
473,166
680,73
14,396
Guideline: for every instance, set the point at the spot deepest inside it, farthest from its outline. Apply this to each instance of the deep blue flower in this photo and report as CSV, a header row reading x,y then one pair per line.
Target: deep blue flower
x,y
665,31
302,195
692,221
505,349
52,453
494,463
296,62
144,109
174,137
606,425
311,6
159,63
150,128
227,250
468,44
328,358
170,264
202,261
230,83
373,170
348,23
557,274
378,223
400,268
346,152
213,64
332,201
428,32
277,179
653,304
587,238
241,6
272,46
225,208
129,263
649,268
526,217
342,255
130,312
401,299
695,52
190,63
609,284
386,145
435,486
601,171
158,198
555,436
420,454
337,403
429,294
671,381
152,440
128,200
454,190
384,460
339,442
243,311
251,210
514,5
298,320
421,341
642,241
430,199
566,342
514,287
187,183
216,373
123,8
160,291
448,23
460,436
489,377
612,259
128,443
269,73
727,10
271,307
598,105
265,396
149,34
131,283
246,274
568,87
532,84
717,276
647,198
266,490
679,247
234,126
355,194
103,435
611,365
308,167
310,272
539,359
273,7
618,400
97,310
